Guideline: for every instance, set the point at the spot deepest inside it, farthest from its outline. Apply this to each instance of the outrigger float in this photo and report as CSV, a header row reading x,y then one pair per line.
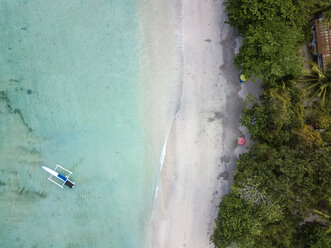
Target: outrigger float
x,y
56,176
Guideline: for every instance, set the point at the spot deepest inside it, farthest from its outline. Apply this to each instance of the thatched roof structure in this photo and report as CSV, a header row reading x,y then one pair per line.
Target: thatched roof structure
x,y
323,39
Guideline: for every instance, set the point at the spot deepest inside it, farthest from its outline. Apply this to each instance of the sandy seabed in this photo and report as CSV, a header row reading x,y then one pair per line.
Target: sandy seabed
x,y
201,151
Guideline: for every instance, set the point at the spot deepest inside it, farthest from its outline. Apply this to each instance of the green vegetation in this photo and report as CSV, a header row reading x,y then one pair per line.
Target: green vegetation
x,y
283,178
274,121
245,13
269,51
317,81
323,7
281,194
272,32
312,235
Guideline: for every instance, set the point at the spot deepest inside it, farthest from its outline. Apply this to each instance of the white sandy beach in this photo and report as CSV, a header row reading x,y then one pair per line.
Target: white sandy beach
x,y
201,149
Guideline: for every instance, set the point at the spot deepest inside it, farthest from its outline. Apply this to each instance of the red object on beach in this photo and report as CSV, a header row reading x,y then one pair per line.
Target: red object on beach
x,y
241,141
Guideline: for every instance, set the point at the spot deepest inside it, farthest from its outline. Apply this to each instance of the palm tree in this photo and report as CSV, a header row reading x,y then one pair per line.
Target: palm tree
x,y
317,81
323,7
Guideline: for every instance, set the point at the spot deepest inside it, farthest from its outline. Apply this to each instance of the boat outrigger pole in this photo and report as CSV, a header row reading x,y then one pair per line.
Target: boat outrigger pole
x,y
59,177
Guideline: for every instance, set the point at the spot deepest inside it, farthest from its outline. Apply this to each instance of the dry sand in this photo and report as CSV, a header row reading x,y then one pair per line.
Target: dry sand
x,y
201,150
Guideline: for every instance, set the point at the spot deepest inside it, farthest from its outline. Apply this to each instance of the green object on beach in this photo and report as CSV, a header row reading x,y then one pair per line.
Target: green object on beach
x,y
243,78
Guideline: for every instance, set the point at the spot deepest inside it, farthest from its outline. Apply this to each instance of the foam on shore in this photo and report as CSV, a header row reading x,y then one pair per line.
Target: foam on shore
x,y
162,77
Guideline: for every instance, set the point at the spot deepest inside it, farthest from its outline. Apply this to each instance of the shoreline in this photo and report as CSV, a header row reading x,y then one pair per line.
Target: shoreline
x,y
201,149
161,64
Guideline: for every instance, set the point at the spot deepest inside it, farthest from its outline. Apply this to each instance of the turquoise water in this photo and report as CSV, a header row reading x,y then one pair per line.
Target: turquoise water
x,y
72,94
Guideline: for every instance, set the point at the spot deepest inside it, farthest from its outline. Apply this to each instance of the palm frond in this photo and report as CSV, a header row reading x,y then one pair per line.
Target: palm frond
x,y
323,8
317,81
324,96
308,87
314,95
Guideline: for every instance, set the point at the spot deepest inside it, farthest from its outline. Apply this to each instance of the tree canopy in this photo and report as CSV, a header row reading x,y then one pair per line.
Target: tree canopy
x,y
293,180
269,50
245,13
284,176
281,196
276,116
272,32
318,82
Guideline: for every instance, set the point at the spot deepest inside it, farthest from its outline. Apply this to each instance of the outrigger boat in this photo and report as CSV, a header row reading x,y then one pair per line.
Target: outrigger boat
x,y
61,180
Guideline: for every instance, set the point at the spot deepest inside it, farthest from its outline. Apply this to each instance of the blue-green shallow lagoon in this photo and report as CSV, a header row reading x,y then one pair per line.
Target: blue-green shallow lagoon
x,y
71,92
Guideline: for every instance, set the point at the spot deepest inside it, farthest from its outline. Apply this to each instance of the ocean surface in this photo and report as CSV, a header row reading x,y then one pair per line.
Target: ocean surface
x,y
91,85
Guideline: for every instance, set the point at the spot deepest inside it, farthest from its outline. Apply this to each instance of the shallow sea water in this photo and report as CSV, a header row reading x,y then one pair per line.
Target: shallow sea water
x,y
74,91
